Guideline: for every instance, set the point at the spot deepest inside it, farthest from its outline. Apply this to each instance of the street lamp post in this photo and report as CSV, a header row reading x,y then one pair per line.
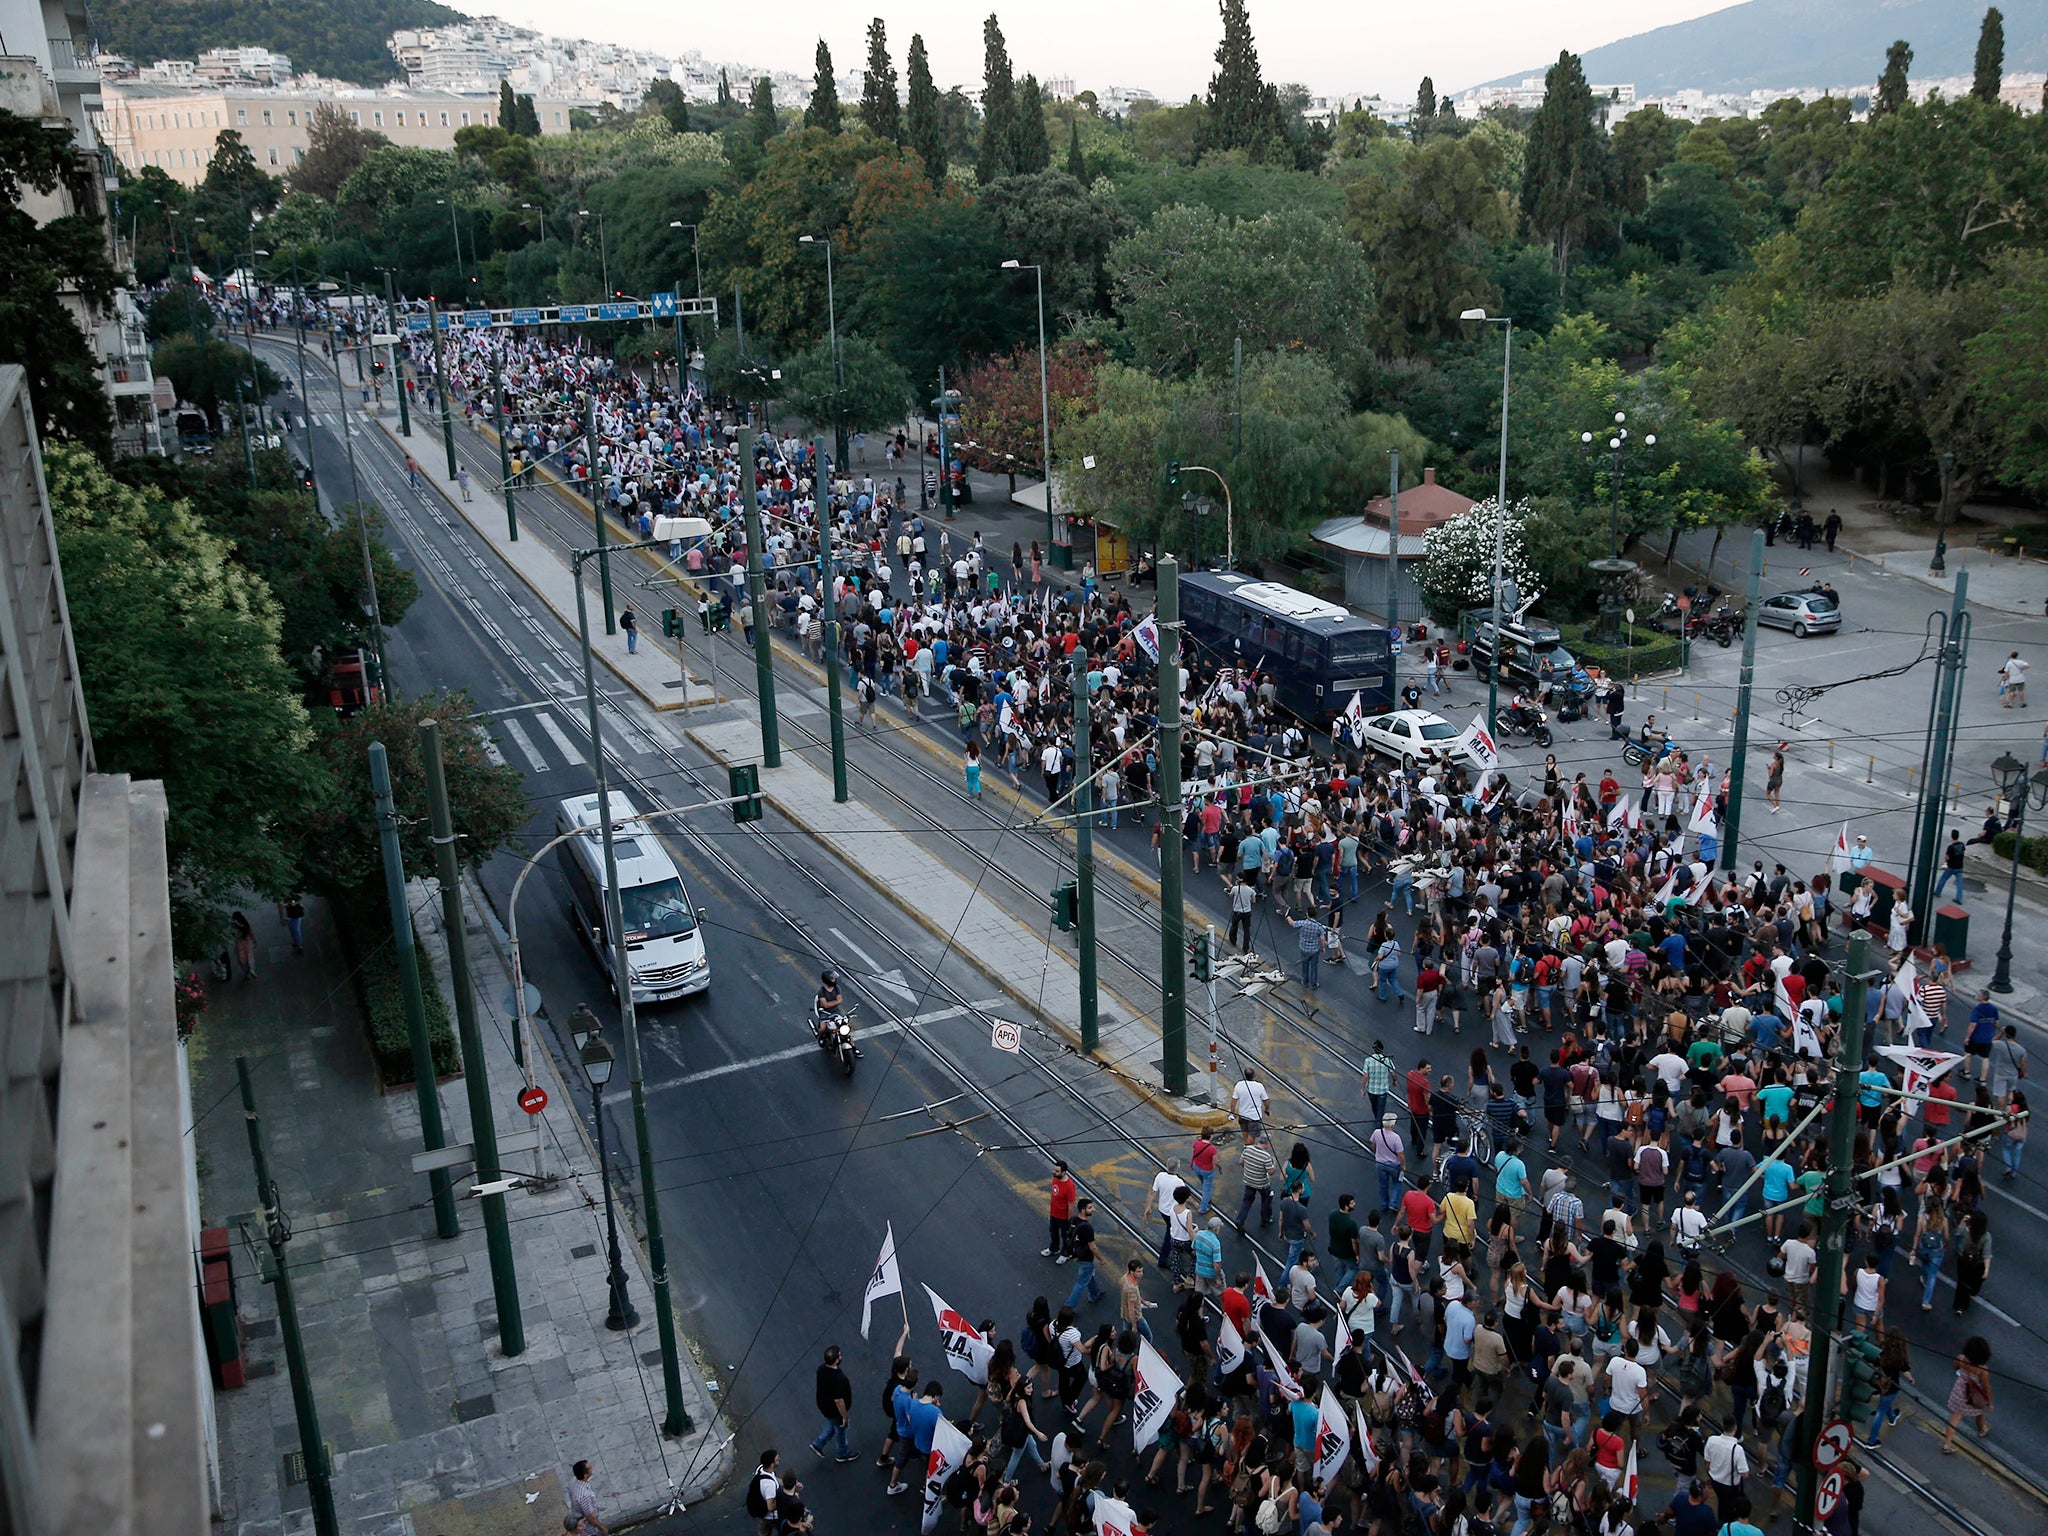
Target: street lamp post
x,y
1500,502
697,259
1191,503
2013,783
832,332
534,208
1615,572
604,260
594,1052
454,229
1052,543
1938,566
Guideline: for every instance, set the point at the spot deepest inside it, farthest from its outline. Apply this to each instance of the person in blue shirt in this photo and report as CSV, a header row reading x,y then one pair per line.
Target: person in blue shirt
x,y
922,1415
1983,1031
1871,1084
1672,948
1459,1328
1305,1416
1510,1175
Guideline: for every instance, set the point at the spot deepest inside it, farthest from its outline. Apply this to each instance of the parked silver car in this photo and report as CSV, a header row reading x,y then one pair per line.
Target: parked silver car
x,y
1804,613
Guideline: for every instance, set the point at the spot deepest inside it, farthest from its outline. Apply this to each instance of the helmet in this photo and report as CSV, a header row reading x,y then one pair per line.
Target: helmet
x,y
829,979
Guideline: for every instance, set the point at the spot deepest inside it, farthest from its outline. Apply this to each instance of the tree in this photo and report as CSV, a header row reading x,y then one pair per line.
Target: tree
x,y
928,290
724,90
1694,216
391,178
1055,221
182,677
867,391
1077,163
1032,152
1643,143
998,106
1892,92
1243,113
204,370
508,107
761,118
1457,559
879,107
923,125
42,263
1000,409
1191,282
1990,71
335,840
1564,175
335,149
805,186
2008,372
823,112
1429,227
529,118
1425,107
664,98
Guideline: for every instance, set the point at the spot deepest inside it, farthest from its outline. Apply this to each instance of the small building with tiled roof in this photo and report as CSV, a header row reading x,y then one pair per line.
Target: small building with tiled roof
x,y
1358,546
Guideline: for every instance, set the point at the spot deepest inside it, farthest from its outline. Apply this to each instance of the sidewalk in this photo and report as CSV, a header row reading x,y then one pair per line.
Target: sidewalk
x,y
433,1431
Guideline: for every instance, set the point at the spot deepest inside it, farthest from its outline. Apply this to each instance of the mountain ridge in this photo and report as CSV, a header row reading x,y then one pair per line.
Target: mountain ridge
x,y
344,39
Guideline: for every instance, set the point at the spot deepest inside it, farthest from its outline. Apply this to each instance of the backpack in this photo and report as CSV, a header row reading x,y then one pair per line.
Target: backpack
x,y
1696,1376
1770,1407
1270,1518
757,1505
1027,1340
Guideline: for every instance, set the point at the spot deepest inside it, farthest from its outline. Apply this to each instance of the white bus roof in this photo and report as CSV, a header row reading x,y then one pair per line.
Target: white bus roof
x,y
1285,601
640,857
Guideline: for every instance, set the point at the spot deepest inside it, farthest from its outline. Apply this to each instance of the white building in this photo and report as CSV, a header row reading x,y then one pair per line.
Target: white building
x,y
242,66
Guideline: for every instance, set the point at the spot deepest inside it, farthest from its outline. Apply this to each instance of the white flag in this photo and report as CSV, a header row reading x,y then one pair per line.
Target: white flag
x,y
1631,1484
1262,1289
1333,1437
966,1350
1664,891
1907,980
1147,636
1229,1347
1289,1387
1366,1454
1156,1389
1480,740
1919,1070
1703,822
1113,1517
1839,859
886,1279
950,1450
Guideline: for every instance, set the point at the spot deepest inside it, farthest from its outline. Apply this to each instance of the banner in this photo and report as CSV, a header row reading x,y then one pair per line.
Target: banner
x,y
1333,1437
1354,719
1229,1347
1839,859
1663,895
1366,1454
1147,636
1918,1070
1703,822
1113,1517
1624,813
1907,980
950,1450
966,1350
1289,1387
885,1280
1156,1390
1480,741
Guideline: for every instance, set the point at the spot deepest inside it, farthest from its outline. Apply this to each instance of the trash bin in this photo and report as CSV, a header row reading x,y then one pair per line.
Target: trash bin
x,y
1952,932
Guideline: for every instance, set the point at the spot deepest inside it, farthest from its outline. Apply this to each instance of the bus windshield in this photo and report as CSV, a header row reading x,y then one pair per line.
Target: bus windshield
x,y
658,911
1361,645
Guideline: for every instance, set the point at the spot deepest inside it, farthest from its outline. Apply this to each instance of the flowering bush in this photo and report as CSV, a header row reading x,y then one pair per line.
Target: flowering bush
x,y
1457,560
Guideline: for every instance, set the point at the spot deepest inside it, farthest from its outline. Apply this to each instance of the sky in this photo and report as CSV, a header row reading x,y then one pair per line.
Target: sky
x,y
1165,46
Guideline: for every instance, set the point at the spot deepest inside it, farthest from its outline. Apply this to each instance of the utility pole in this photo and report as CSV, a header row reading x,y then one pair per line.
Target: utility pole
x,y
757,594
1173,960
483,1129
355,487
504,449
305,399
604,565
425,1087
441,387
278,1232
1740,757
397,373
823,492
945,476
1827,1280
242,416
1084,851
1394,553
1934,790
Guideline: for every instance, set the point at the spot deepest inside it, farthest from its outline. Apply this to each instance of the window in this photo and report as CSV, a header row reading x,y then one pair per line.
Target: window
x,y
356,118
444,118
291,115
266,118
465,119
558,119
273,154
241,114
299,155
487,119
378,118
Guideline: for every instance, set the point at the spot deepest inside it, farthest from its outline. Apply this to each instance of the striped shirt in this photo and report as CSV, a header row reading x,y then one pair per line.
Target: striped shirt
x,y
1257,1164
1934,999
1379,1073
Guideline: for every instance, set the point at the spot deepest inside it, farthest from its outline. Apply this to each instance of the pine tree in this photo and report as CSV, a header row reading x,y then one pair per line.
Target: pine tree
x,y
761,111
508,107
724,90
823,112
1891,85
1242,114
1425,99
1564,169
1990,57
998,106
529,118
879,107
924,123
1077,164
1033,148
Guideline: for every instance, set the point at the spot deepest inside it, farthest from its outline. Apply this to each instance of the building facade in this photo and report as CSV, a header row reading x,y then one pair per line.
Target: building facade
x,y
174,128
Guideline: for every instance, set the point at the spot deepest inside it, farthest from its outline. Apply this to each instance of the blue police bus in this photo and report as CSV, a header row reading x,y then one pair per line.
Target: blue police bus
x,y
1318,653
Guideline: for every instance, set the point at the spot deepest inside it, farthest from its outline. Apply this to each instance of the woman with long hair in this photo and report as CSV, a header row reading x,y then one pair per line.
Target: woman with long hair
x,y
1973,1259
1971,1392
1894,1370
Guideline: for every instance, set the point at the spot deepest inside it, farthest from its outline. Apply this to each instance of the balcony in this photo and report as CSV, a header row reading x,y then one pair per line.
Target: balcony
x,y
75,63
25,90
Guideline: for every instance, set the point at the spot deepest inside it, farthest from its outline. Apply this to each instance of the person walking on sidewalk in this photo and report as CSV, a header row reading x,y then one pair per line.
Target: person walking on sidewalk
x,y
293,912
245,944
2012,682
835,1404
631,626
462,480
582,1519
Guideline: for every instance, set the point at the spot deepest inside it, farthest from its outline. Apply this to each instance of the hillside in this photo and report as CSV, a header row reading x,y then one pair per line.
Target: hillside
x,y
342,38
1782,43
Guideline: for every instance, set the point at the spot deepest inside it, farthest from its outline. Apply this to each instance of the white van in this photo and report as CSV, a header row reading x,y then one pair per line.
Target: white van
x,y
664,944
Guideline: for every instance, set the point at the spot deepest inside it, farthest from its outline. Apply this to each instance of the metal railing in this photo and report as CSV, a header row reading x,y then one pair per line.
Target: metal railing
x,y
74,55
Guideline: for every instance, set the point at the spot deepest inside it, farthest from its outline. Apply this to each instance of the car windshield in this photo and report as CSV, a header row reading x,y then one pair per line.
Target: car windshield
x,y
1439,730
660,910
1560,658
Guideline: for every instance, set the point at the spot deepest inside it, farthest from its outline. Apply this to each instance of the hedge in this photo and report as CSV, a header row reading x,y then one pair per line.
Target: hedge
x,y
363,917
2034,855
1652,652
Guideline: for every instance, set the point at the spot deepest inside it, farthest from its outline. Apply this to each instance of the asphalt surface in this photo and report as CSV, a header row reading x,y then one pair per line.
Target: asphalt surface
x,y
778,1175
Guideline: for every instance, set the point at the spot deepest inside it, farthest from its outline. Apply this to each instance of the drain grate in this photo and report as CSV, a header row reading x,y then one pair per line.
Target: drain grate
x,y
583,1251
295,1467
469,1409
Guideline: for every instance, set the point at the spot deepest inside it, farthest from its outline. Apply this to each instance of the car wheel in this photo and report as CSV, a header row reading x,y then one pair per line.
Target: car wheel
x,y
1407,763
1799,629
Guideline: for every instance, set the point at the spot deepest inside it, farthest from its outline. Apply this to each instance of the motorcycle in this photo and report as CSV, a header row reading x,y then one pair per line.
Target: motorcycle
x,y
834,1034
1699,602
1522,722
1572,698
1725,626
1635,751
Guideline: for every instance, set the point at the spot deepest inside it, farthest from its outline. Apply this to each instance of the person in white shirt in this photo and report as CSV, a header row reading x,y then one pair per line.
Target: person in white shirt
x,y
1670,1066
1249,1098
1626,1383
1689,1223
1726,1464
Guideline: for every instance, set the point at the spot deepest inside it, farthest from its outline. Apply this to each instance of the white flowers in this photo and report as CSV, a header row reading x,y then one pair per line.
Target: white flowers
x,y
1457,558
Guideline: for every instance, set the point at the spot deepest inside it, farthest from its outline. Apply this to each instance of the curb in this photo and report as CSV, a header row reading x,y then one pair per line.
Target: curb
x,y
1181,1112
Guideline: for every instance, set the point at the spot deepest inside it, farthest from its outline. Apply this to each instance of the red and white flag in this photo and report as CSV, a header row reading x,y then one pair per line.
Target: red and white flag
x,y
1631,1483
965,1349
1480,740
950,1450
1113,1517
1156,1387
1333,1437
1839,859
1262,1288
1918,1070
1369,1457
1229,1347
1289,1387
885,1279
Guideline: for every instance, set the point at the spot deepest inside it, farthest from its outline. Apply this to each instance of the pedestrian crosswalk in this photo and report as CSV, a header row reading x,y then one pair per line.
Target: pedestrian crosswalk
x,y
554,736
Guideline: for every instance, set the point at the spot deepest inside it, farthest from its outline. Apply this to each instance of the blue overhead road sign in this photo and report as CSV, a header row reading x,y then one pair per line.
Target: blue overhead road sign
x,y
664,305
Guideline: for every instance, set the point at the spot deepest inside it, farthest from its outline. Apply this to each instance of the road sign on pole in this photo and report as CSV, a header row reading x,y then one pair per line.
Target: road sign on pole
x,y
664,305
534,1099
1828,1497
1832,1444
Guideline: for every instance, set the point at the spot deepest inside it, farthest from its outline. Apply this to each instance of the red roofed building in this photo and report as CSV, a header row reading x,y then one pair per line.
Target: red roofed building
x,y
1358,545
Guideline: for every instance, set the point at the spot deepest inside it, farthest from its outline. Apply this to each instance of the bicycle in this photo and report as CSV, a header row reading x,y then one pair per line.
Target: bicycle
x,y
1478,1137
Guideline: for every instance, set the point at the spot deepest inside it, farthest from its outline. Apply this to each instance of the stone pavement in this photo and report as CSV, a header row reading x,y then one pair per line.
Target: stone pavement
x,y
1018,959
433,1431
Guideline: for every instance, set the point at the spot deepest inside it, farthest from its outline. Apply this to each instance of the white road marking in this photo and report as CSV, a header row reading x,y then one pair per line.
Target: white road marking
x,y
560,739
491,751
891,978
2003,1317
2032,1210
525,744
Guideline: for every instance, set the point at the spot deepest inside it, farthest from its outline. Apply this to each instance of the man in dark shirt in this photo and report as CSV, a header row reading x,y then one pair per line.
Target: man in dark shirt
x,y
835,1403
1556,1079
1462,1170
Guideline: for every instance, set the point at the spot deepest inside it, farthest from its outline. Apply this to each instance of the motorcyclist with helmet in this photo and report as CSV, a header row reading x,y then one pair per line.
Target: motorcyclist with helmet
x,y
829,1008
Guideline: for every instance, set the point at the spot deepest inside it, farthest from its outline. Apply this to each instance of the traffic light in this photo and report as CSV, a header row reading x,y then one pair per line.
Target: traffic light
x,y
671,623
1066,906
1202,956
1173,471
744,785
1859,1378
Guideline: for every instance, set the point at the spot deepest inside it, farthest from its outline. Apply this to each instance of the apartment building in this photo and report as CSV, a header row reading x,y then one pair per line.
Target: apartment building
x,y
174,128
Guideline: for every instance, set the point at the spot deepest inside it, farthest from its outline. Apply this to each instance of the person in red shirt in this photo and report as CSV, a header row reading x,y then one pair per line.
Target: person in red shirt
x,y
1934,1112
1610,790
1203,1160
1419,1211
1417,1083
1061,1210
1236,1304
